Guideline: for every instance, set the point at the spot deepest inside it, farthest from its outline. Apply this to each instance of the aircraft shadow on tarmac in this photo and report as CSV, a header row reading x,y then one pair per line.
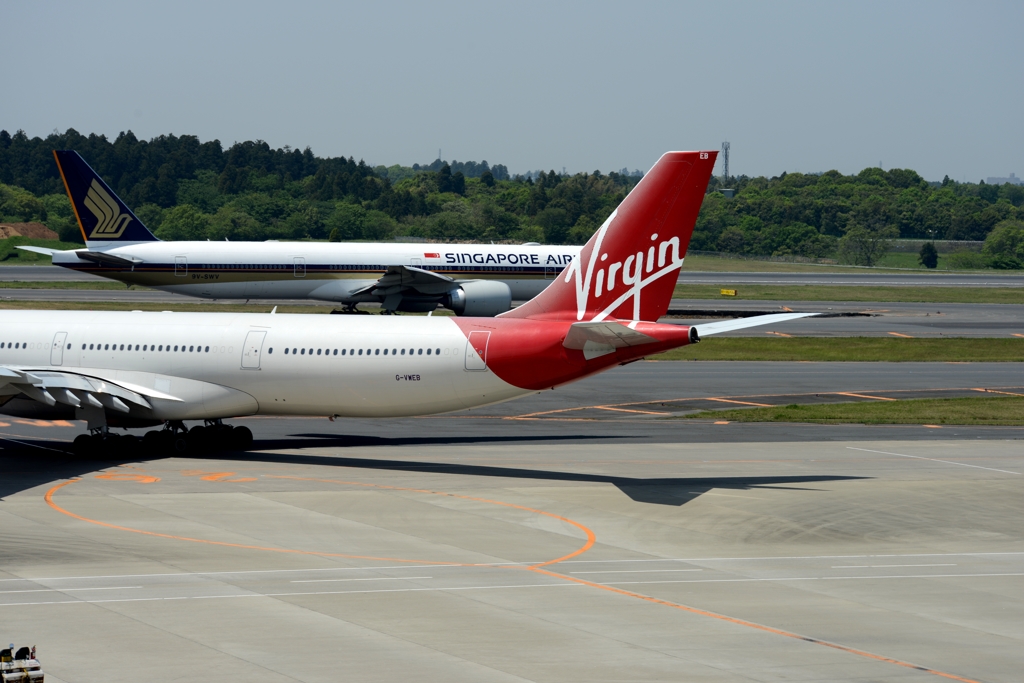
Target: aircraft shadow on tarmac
x,y
673,491
38,463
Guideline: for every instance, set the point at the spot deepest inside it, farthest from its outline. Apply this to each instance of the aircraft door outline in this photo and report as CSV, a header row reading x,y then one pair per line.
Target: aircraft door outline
x,y
476,350
299,264
57,348
180,266
252,349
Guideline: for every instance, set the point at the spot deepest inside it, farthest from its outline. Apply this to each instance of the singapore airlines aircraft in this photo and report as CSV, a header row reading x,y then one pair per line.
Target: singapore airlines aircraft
x,y
470,279
144,369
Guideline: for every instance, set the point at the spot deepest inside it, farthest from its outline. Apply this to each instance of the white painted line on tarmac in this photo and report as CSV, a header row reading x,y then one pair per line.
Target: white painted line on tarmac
x,y
286,595
638,571
919,457
510,565
378,578
880,566
69,590
814,578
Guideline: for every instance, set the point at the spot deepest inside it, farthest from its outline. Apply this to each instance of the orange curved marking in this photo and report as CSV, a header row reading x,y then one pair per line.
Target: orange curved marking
x,y
291,551
128,476
591,538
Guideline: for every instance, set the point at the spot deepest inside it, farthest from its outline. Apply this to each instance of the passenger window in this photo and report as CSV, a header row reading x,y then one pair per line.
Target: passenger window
x,y
403,352
385,352
394,351
208,350
437,352
335,352
421,352
428,352
303,352
318,352
342,352
270,351
90,347
360,352
190,348
377,352
286,351
175,347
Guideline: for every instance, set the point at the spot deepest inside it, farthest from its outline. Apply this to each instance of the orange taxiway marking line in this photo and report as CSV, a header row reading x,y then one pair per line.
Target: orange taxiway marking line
x,y
591,537
897,334
876,398
779,334
742,403
993,391
538,568
628,410
1014,334
754,625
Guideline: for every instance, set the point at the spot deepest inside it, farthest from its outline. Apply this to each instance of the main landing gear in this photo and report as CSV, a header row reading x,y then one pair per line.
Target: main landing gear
x,y
173,439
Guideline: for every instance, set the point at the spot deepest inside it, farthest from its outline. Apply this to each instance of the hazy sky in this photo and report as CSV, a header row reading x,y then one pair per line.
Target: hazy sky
x,y
933,86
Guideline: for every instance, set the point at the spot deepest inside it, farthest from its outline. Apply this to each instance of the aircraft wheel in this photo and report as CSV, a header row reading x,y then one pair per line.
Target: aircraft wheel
x,y
199,439
241,438
84,445
109,445
130,444
179,444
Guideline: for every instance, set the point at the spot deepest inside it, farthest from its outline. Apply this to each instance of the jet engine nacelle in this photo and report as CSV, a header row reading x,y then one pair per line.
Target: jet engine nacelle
x,y
480,298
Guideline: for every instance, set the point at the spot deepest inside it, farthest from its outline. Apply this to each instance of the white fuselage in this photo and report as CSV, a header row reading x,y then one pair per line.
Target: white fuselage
x,y
328,271
193,365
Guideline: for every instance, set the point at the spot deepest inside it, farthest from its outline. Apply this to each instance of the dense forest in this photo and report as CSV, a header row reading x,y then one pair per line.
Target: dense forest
x,y
186,189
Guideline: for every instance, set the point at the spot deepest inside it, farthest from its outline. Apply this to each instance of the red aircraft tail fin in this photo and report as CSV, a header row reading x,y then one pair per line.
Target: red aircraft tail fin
x,y
629,267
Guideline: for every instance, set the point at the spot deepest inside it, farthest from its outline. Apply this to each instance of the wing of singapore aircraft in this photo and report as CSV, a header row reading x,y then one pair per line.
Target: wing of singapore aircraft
x,y
470,279
143,369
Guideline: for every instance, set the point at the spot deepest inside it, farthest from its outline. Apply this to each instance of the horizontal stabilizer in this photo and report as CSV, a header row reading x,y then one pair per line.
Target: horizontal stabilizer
x,y
41,250
609,333
742,323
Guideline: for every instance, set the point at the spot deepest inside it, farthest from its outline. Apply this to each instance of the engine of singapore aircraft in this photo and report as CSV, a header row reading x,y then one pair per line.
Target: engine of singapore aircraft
x,y
470,279
135,368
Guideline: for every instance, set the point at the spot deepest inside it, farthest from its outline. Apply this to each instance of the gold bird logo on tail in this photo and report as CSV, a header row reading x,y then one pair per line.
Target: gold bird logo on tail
x,y
110,223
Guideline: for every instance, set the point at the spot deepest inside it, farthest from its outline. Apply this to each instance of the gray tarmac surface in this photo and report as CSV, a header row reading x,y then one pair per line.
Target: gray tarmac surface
x,y
872,319
574,535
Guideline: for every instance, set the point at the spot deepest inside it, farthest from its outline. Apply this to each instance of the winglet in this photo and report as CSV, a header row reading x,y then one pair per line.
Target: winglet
x,y
102,217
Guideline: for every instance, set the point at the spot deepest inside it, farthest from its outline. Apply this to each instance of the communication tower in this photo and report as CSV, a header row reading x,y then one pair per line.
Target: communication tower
x,y
725,160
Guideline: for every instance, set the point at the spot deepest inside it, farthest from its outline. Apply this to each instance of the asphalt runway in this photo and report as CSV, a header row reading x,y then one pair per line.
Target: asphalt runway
x,y
557,538
844,319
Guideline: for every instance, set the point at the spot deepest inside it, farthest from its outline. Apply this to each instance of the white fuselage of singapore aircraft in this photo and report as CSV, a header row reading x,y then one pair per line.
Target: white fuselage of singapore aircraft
x,y
341,272
470,279
136,368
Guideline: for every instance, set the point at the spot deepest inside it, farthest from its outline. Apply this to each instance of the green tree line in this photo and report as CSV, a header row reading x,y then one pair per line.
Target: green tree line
x,y
186,189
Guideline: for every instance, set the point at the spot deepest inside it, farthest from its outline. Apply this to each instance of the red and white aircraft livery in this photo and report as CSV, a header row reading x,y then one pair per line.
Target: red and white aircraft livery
x,y
139,369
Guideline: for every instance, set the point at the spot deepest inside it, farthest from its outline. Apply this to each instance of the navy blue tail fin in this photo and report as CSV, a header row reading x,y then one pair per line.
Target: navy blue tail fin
x,y
102,216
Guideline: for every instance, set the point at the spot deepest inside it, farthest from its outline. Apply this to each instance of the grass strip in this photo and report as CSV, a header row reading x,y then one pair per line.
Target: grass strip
x,y
867,293
861,349
1005,410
